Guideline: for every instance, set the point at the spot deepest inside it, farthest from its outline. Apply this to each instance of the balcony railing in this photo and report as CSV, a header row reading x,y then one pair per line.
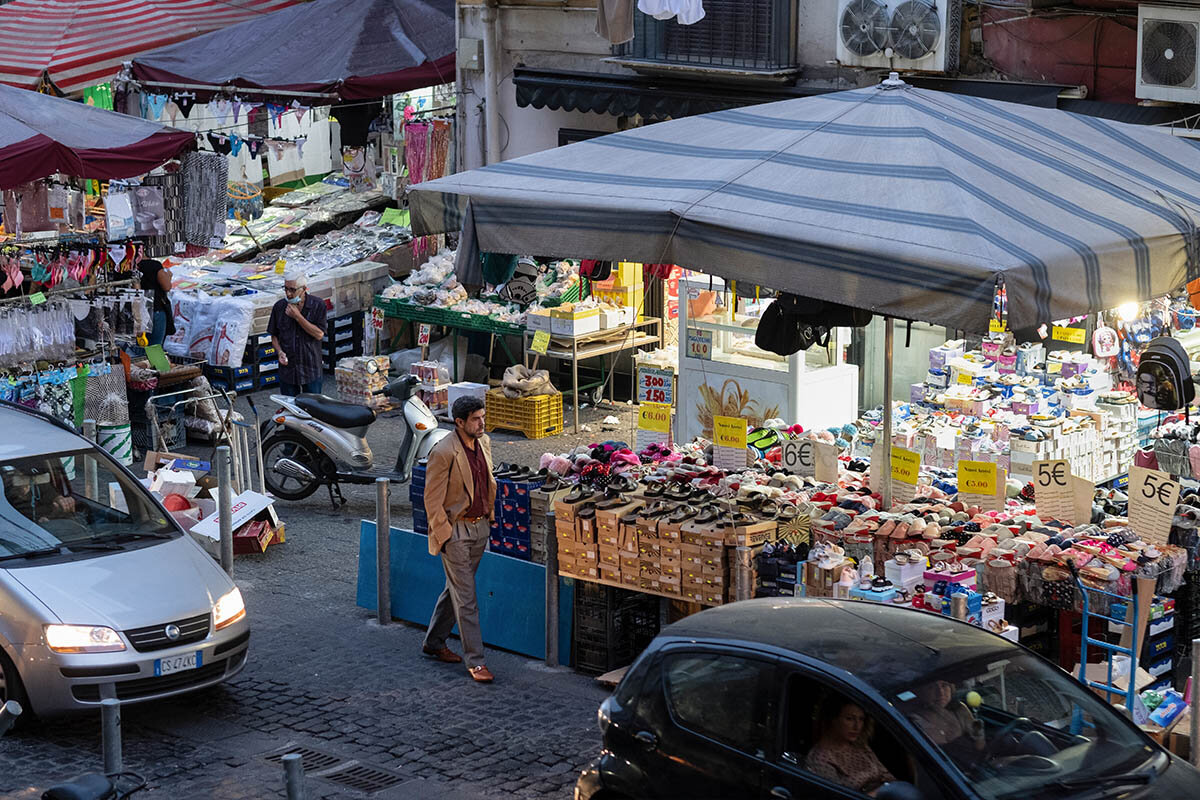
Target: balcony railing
x,y
742,35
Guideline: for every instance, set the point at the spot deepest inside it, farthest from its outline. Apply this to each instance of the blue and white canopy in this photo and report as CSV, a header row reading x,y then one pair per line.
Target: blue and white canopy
x,y
904,201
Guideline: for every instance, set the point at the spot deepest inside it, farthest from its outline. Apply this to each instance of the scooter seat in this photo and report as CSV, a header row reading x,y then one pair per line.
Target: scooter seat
x,y
336,412
92,786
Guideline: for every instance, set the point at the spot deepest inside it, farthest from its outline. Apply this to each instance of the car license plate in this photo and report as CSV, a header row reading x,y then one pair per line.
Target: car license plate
x,y
165,666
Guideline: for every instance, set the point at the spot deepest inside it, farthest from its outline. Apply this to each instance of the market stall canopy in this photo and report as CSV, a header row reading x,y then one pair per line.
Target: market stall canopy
x,y
904,201
357,50
80,43
41,135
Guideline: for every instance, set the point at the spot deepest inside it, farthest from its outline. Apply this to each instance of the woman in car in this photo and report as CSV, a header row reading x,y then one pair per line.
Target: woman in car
x,y
843,752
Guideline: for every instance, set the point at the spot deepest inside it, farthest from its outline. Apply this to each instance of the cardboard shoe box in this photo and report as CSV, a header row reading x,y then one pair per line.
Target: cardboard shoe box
x,y
609,557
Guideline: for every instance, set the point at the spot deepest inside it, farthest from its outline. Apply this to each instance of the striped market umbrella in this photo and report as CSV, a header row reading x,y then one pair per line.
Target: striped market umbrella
x,y
73,44
911,203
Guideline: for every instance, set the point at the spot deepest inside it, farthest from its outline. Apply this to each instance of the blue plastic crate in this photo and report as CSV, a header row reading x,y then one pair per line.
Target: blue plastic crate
x,y
420,521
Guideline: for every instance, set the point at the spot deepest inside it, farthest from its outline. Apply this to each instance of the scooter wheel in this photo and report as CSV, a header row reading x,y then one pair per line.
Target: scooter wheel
x,y
286,444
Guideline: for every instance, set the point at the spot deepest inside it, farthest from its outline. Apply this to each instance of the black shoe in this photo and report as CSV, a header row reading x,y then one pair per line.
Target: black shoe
x,y
580,492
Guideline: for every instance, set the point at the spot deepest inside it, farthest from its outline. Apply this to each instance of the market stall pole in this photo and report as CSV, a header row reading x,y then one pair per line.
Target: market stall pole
x,y
383,549
885,471
600,343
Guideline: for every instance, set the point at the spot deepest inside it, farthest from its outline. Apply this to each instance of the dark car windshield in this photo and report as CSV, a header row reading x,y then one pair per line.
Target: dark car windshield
x,y
51,502
1018,727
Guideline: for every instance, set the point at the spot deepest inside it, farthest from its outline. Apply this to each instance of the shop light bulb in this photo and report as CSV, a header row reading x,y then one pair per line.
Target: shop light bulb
x,y
1128,311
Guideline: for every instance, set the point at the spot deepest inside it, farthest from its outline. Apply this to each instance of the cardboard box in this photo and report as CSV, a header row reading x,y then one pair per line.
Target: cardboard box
x,y
632,579
610,573
714,569
650,553
564,512
713,598
751,535
669,562
609,556
712,556
538,321
629,563
585,529
670,550
608,537
693,595
573,322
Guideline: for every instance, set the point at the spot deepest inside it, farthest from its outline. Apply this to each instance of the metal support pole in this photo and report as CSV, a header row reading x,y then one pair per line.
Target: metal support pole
x,y
551,593
8,715
1194,733
383,550
235,457
110,734
262,476
90,480
742,589
293,776
247,469
225,507
885,471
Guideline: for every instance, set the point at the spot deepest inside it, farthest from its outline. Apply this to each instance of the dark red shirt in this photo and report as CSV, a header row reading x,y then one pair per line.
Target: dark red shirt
x,y
479,477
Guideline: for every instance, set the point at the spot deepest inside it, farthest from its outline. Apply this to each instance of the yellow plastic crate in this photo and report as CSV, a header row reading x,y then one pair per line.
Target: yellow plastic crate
x,y
537,417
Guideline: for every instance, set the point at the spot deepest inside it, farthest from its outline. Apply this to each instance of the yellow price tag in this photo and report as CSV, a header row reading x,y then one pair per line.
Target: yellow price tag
x,y
906,465
965,378
655,417
1054,367
1072,335
996,326
256,277
729,432
541,342
280,266
978,477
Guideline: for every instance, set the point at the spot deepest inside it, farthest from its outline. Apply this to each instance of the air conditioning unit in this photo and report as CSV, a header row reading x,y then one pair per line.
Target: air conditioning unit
x,y
1168,56
902,34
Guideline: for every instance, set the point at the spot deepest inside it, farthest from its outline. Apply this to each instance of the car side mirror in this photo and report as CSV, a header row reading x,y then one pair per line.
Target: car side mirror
x,y
899,790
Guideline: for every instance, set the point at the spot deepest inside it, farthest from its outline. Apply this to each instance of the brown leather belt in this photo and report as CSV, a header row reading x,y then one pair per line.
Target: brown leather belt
x,y
470,519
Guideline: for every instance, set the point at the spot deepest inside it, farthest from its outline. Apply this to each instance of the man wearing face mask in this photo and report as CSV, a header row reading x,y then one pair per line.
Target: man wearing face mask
x,y
297,327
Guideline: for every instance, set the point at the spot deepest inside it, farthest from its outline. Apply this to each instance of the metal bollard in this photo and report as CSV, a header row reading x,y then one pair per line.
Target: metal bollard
x,y
90,480
225,507
1194,733
383,550
8,715
551,593
958,606
742,590
110,734
235,457
293,776
247,469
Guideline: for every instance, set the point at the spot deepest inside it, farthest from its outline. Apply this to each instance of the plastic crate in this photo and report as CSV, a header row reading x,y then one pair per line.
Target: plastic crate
x,y
537,417
611,626
420,521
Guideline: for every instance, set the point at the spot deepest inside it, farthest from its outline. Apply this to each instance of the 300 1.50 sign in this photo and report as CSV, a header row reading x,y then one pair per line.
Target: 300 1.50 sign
x,y
656,385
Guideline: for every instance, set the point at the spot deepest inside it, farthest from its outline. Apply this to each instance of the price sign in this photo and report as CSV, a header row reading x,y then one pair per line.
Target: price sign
x,y
37,298
827,462
656,385
280,266
699,344
1085,492
654,417
1152,500
965,378
996,326
729,438
981,483
377,318
1064,334
906,466
799,457
541,342
423,334
1054,490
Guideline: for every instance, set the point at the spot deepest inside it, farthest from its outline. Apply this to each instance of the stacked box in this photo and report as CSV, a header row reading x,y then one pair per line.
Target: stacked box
x,y
576,538
416,496
611,627
343,339
357,383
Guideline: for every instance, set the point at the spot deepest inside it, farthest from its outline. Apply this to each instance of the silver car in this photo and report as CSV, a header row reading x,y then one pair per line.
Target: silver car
x,y
102,595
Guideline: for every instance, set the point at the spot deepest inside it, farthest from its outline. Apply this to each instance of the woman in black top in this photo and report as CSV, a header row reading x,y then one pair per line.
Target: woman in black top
x,y
157,277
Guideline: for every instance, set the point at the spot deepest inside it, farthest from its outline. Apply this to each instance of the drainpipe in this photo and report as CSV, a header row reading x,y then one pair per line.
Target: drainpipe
x,y
491,79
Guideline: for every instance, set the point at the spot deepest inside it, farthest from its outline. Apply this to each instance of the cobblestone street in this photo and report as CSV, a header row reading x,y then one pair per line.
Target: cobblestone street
x,y
323,675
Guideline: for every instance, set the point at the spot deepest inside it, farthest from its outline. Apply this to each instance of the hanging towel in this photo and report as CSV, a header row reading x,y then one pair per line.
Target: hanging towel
x,y
614,20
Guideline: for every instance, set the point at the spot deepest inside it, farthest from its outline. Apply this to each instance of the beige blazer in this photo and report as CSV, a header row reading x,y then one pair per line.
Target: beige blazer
x,y
449,488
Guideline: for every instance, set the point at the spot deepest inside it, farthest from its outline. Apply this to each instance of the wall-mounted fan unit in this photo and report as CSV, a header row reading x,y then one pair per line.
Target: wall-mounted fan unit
x,y
1168,50
904,34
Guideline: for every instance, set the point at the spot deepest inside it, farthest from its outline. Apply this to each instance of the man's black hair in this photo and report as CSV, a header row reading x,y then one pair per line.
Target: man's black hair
x,y
465,406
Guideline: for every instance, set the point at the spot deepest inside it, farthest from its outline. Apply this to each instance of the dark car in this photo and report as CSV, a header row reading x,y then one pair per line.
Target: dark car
x,y
737,702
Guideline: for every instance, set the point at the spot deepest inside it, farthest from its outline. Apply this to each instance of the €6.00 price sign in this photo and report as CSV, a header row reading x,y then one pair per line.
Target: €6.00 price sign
x,y
729,438
656,385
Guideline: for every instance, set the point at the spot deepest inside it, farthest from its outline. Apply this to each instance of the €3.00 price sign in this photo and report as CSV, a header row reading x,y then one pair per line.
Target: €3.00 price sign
x,y
656,385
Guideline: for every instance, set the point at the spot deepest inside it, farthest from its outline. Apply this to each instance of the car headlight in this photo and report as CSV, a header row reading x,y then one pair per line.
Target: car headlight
x,y
229,609
83,639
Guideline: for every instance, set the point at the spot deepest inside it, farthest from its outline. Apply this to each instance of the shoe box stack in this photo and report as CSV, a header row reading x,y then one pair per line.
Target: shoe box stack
x,y
259,368
611,627
512,531
434,388
1158,645
416,496
781,571
359,377
1119,438
541,522
343,339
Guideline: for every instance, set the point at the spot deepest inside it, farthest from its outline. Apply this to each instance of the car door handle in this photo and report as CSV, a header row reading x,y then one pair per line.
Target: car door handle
x,y
647,739
780,793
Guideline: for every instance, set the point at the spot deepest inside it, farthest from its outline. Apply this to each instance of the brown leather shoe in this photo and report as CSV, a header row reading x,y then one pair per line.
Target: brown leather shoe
x,y
481,674
445,655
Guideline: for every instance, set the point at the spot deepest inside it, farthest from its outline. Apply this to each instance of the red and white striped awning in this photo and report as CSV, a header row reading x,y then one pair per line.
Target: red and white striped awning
x,y
80,43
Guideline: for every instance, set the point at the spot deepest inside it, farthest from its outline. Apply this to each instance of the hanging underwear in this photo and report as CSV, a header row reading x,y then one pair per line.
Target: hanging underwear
x,y
185,101
220,143
276,148
299,109
254,146
276,113
238,105
251,114
152,105
300,146
220,109
235,144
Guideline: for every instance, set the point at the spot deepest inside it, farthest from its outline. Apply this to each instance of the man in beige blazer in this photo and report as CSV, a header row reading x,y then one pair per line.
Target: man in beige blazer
x,y
460,503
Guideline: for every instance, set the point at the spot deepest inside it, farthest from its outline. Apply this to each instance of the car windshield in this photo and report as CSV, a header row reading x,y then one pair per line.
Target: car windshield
x,y
1018,727
72,501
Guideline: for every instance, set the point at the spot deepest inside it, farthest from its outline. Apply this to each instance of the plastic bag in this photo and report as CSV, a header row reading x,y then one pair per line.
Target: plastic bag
x,y
119,219
231,330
